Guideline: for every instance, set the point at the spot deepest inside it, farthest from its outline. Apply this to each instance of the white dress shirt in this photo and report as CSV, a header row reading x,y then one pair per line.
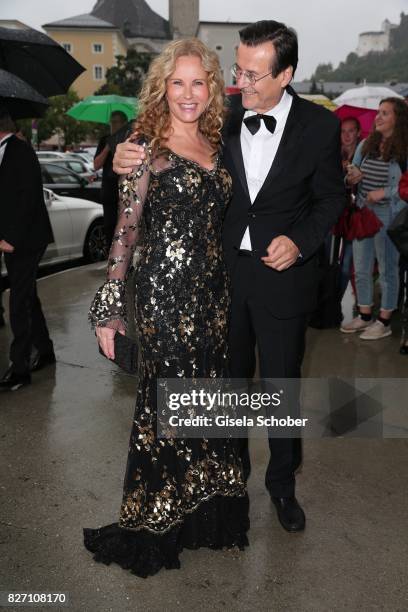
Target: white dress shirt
x,y
3,145
259,150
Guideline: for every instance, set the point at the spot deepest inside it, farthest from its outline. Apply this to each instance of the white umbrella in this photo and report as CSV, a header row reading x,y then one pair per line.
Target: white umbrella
x,y
365,97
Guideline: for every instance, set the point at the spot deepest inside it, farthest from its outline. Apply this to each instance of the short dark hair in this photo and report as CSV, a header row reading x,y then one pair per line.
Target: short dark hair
x,y
6,122
284,40
353,120
122,116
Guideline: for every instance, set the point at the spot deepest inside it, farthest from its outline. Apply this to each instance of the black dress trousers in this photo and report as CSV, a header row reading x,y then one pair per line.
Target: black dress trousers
x,y
110,198
26,316
281,345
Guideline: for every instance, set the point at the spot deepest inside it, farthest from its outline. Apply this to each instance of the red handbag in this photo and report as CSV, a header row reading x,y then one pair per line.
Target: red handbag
x,y
403,187
356,223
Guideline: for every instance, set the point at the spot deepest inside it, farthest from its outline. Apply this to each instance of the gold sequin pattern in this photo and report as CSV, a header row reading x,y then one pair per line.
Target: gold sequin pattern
x,y
181,310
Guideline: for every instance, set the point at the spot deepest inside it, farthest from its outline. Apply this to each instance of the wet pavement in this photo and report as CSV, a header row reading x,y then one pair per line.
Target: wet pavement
x,y
64,445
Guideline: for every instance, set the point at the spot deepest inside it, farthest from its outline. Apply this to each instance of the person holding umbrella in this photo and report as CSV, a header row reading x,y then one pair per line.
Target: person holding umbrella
x,y
32,67
25,232
25,102
103,159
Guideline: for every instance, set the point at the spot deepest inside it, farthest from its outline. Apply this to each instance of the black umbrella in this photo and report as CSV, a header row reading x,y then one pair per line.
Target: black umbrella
x,y
38,60
20,99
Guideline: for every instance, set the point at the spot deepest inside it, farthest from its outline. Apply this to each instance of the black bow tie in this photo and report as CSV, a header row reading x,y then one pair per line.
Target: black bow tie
x,y
253,123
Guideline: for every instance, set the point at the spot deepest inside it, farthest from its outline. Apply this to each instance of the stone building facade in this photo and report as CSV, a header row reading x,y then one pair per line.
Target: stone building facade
x,y
116,25
375,41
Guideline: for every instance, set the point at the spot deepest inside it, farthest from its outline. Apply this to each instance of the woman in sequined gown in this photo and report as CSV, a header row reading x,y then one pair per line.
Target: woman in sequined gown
x,y
178,493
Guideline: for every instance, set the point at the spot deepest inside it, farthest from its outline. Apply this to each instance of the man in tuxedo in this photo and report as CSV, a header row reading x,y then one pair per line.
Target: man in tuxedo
x,y
283,154
25,232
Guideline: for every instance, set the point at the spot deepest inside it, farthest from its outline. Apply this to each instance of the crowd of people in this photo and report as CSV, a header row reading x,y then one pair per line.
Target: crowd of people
x,y
374,173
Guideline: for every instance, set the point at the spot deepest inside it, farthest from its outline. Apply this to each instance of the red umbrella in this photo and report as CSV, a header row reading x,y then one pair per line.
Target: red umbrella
x,y
365,116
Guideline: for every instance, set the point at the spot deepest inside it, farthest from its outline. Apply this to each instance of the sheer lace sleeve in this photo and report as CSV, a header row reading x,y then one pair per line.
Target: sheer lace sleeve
x,y
108,308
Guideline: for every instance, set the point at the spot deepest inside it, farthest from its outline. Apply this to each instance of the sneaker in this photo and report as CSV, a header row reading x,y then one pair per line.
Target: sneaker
x,y
356,325
376,331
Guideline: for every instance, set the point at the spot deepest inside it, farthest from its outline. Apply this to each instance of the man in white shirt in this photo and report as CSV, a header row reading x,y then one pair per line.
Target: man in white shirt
x,y
283,154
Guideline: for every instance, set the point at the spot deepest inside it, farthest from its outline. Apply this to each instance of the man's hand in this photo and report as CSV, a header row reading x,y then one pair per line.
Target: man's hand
x,y
282,253
127,156
375,196
101,158
106,337
6,247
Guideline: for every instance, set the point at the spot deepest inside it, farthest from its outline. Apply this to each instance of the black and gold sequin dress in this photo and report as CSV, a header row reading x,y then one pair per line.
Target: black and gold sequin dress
x,y
177,492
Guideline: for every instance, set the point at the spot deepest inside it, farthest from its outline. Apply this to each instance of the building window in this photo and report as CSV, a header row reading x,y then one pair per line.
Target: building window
x,y
98,73
218,47
97,48
67,46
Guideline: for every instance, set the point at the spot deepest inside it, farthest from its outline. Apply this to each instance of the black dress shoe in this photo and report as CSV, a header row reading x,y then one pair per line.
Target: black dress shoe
x,y
40,361
290,514
404,349
12,381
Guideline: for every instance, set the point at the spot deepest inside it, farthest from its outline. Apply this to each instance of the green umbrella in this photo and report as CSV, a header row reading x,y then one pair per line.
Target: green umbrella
x,y
99,108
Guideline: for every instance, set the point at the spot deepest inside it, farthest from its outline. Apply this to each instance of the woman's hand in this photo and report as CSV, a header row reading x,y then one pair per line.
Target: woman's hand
x,y
375,196
354,175
106,337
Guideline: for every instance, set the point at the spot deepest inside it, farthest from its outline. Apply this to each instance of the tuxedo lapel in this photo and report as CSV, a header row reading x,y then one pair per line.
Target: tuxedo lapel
x,y
234,144
293,130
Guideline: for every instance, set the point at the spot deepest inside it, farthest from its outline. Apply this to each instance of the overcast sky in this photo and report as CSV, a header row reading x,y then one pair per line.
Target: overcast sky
x,y
327,29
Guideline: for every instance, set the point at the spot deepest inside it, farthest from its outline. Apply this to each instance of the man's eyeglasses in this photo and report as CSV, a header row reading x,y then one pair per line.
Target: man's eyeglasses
x,y
237,73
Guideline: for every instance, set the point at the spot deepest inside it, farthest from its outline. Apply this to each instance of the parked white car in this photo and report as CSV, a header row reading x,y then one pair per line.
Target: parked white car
x,y
78,229
59,155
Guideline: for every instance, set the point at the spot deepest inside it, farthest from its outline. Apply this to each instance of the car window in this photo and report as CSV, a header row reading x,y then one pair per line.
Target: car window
x,y
45,176
60,175
75,166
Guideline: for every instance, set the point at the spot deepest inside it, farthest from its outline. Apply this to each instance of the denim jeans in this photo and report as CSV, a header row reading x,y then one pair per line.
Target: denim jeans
x,y
378,247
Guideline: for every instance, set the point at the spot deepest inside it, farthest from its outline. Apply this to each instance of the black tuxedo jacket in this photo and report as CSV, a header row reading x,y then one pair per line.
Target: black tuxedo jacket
x,y
302,197
24,220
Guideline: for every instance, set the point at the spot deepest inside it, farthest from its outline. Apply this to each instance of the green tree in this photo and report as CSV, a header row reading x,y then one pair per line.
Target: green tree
x,y
25,127
323,71
126,78
56,120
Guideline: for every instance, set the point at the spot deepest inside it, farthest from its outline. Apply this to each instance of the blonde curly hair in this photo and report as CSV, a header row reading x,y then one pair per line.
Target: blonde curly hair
x,y
154,120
